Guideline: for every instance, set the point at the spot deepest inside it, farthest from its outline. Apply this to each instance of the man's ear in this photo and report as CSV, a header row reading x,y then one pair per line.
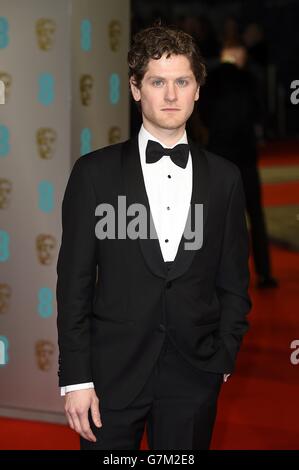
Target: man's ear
x,y
197,93
135,90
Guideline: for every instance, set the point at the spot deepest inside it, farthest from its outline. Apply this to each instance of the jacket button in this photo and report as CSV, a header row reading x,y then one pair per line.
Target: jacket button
x,y
162,327
168,284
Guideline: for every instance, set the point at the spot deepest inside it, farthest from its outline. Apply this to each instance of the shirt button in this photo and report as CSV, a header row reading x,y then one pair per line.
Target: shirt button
x,y
169,176
168,284
168,208
166,241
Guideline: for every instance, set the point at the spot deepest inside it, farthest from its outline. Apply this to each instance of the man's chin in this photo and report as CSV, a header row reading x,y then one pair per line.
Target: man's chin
x,y
171,124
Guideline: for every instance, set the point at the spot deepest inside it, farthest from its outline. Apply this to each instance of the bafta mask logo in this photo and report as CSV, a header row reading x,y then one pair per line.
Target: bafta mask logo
x,y
44,351
7,81
5,296
114,135
45,246
45,29
46,140
114,31
86,86
5,193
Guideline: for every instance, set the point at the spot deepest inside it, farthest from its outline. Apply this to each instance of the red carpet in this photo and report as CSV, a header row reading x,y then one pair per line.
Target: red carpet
x,y
258,407
280,153
19,434
280,194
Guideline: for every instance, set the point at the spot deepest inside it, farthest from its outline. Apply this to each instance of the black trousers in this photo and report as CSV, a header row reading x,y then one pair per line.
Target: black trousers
x,y
246,160
259,237
177,404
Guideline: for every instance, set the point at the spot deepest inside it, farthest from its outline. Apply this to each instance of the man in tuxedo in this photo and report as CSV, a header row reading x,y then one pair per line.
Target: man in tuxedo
x,y
149,323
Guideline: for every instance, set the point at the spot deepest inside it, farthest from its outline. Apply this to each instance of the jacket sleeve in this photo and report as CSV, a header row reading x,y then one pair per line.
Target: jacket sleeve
x,y
233,273
76,276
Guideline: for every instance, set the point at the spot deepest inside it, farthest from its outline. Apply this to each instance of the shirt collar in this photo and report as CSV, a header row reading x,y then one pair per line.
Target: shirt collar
x,y
144,136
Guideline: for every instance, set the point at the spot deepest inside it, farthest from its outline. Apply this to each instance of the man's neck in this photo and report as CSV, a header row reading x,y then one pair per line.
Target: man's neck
x,y
168,137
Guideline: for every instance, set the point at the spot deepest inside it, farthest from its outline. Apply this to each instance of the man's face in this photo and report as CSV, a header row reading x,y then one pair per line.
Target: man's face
x,y
167,94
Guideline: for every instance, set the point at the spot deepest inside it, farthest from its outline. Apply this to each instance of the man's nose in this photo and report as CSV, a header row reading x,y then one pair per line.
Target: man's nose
x,y
170,94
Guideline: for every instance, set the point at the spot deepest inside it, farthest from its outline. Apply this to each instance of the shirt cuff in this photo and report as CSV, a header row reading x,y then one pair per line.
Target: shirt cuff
x,y
72,388
225,377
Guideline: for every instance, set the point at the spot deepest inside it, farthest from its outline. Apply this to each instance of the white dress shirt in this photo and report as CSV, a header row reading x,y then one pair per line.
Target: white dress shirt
x,y
169,190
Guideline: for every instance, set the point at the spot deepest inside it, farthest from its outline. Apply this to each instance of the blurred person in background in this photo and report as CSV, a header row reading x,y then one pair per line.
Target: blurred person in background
x,y
257,61
201,29
230,31
230,110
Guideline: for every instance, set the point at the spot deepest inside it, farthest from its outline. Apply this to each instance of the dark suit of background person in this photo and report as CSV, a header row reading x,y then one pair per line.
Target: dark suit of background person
x,y
229,109
118,301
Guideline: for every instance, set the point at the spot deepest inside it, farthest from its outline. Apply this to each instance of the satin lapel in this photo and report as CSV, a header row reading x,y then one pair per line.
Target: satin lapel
x,y
200,195
135,192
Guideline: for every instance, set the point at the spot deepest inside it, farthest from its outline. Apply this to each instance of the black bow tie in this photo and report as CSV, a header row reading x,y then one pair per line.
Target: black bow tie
x,y
178,154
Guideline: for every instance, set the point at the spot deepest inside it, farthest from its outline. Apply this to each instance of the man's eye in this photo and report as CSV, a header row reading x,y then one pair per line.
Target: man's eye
x,y
182,82
157,82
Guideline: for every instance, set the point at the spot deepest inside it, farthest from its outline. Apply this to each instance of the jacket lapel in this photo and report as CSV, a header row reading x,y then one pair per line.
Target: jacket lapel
x,y
135,191
200,195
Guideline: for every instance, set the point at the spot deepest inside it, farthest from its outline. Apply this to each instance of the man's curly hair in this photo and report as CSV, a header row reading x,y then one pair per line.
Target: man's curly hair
x,y
157,40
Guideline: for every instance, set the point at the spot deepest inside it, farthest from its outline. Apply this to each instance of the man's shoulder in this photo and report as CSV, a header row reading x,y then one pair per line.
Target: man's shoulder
x,y
220,165
103,153
100,159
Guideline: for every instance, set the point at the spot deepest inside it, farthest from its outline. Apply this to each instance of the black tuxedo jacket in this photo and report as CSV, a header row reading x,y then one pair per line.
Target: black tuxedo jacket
x,y
117,300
